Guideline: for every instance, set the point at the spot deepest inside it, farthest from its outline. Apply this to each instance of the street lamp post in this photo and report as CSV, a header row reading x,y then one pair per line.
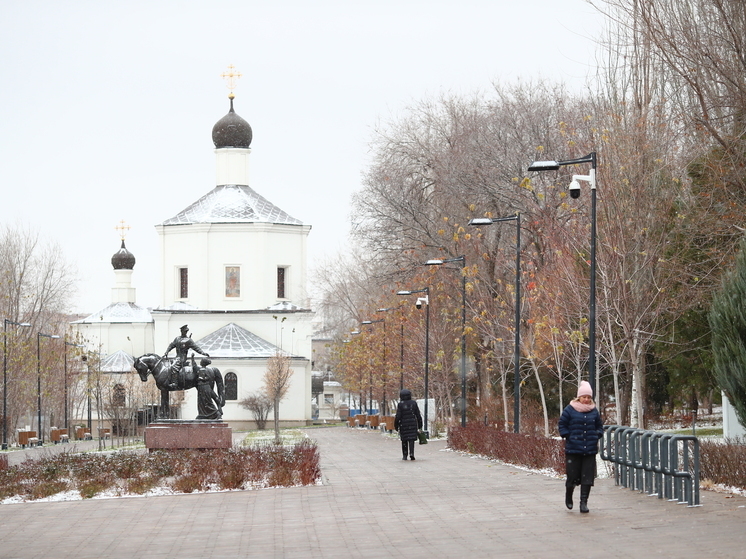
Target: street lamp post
x,y
590,178
426,301
517,343
401,347
361,394
461,259
67,427
5,377
39,335
367,323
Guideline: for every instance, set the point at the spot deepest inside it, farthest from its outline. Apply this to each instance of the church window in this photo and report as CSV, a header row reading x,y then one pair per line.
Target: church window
x,y
231,386
183,283
232,281
281,283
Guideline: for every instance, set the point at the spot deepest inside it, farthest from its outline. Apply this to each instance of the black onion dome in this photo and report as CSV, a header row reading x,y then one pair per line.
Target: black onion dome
x,y
232,131
123,259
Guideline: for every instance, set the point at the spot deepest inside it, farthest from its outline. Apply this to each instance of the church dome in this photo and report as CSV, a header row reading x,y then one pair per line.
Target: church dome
x,y
123,259
232,131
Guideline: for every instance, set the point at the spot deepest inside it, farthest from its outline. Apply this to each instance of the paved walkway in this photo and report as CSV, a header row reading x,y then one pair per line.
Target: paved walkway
x,y
372,504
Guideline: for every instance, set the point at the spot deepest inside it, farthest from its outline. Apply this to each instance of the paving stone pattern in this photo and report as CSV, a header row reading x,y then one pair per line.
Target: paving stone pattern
x,y
374,505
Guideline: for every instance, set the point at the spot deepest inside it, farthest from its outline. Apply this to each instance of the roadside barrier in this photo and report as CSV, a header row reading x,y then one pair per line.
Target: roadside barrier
x,y
661,464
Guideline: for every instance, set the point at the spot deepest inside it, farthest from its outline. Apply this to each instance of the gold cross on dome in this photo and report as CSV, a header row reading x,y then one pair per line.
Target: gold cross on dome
x,y
231,78
122,228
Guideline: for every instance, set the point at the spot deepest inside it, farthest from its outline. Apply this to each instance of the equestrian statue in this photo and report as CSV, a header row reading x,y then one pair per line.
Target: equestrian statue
x,y
180,376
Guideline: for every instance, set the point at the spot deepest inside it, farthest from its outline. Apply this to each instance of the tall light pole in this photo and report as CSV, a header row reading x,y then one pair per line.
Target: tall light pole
x,y
461,259
5,377
361,393
590,178
401,346
517,327
67,427
367,323
39,335
426,301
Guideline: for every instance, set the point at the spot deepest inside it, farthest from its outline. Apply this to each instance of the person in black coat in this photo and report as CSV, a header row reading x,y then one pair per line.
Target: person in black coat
x,y
408,422
581,426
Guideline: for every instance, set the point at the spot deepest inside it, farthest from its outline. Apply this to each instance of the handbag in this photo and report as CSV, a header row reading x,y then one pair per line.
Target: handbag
x,y
422,437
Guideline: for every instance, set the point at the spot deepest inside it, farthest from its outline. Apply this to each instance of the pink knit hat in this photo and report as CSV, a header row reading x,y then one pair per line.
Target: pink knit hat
x,y
584,389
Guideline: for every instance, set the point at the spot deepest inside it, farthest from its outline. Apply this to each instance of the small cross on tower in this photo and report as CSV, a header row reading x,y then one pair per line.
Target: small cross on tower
x,y
122,228
231,78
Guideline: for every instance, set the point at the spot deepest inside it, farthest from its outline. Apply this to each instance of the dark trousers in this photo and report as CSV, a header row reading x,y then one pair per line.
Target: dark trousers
x,y
407,446
580,468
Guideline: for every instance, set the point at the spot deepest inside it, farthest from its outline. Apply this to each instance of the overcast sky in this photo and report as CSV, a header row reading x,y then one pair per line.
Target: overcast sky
x,y
107,108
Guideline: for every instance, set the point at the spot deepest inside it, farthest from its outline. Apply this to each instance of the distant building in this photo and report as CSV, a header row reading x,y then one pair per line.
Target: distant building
x,y
232,268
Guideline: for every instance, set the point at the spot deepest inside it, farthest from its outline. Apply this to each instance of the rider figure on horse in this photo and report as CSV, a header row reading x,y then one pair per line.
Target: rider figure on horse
x,y
182,344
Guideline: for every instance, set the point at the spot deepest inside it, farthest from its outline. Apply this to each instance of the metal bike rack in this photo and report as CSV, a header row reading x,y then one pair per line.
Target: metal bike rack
x,y
661,464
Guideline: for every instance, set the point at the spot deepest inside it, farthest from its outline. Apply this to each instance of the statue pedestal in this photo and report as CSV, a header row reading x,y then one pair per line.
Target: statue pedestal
x,y
172,434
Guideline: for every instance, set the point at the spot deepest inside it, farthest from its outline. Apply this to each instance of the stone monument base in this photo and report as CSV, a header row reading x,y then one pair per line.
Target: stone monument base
x,y
173,434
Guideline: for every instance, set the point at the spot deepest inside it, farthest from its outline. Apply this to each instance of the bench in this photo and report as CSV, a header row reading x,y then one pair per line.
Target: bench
x,y
58,435
387,423
24,438
33,441
83,433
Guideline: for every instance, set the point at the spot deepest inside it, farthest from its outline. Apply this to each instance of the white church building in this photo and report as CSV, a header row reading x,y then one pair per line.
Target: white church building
x,y
232,268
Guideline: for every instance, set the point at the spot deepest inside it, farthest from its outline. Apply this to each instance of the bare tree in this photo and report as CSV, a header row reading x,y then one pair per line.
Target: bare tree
x,y
276,384
259,405
35,285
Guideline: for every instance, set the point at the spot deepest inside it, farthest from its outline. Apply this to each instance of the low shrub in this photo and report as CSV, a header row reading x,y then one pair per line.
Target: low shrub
x,y
47,489
141,485
232,473
183,471
531,451
723,462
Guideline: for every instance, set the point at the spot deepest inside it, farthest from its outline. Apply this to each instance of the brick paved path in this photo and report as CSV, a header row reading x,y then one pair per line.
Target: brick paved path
x,y
372,504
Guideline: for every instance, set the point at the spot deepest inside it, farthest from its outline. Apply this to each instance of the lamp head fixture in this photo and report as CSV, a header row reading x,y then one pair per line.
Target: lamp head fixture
x,y
481,221
544,166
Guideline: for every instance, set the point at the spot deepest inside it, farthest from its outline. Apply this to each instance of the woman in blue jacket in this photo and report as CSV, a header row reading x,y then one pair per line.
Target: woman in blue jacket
x,y
581,426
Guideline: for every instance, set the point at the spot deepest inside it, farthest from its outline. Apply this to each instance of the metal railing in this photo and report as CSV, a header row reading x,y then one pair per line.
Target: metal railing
x,y
661,464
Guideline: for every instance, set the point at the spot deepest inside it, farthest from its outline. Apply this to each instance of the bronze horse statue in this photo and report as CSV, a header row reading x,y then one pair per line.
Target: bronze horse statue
x,y
160,368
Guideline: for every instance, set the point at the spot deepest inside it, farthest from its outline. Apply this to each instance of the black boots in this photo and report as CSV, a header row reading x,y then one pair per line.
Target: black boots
x,y
568,496
585,490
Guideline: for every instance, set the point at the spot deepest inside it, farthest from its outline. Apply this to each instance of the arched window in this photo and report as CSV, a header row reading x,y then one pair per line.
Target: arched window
x,y
231,386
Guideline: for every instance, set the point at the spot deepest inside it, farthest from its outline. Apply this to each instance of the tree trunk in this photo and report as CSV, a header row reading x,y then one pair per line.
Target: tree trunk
x,y
276,406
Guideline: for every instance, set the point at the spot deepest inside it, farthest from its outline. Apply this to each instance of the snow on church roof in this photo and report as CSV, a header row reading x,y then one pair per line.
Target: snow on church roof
x,y
232,341
119,362
118,312
232,203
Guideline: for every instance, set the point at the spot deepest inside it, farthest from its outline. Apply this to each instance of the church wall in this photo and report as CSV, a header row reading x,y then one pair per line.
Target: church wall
x,y
295,407
133,338
256,250
232,166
